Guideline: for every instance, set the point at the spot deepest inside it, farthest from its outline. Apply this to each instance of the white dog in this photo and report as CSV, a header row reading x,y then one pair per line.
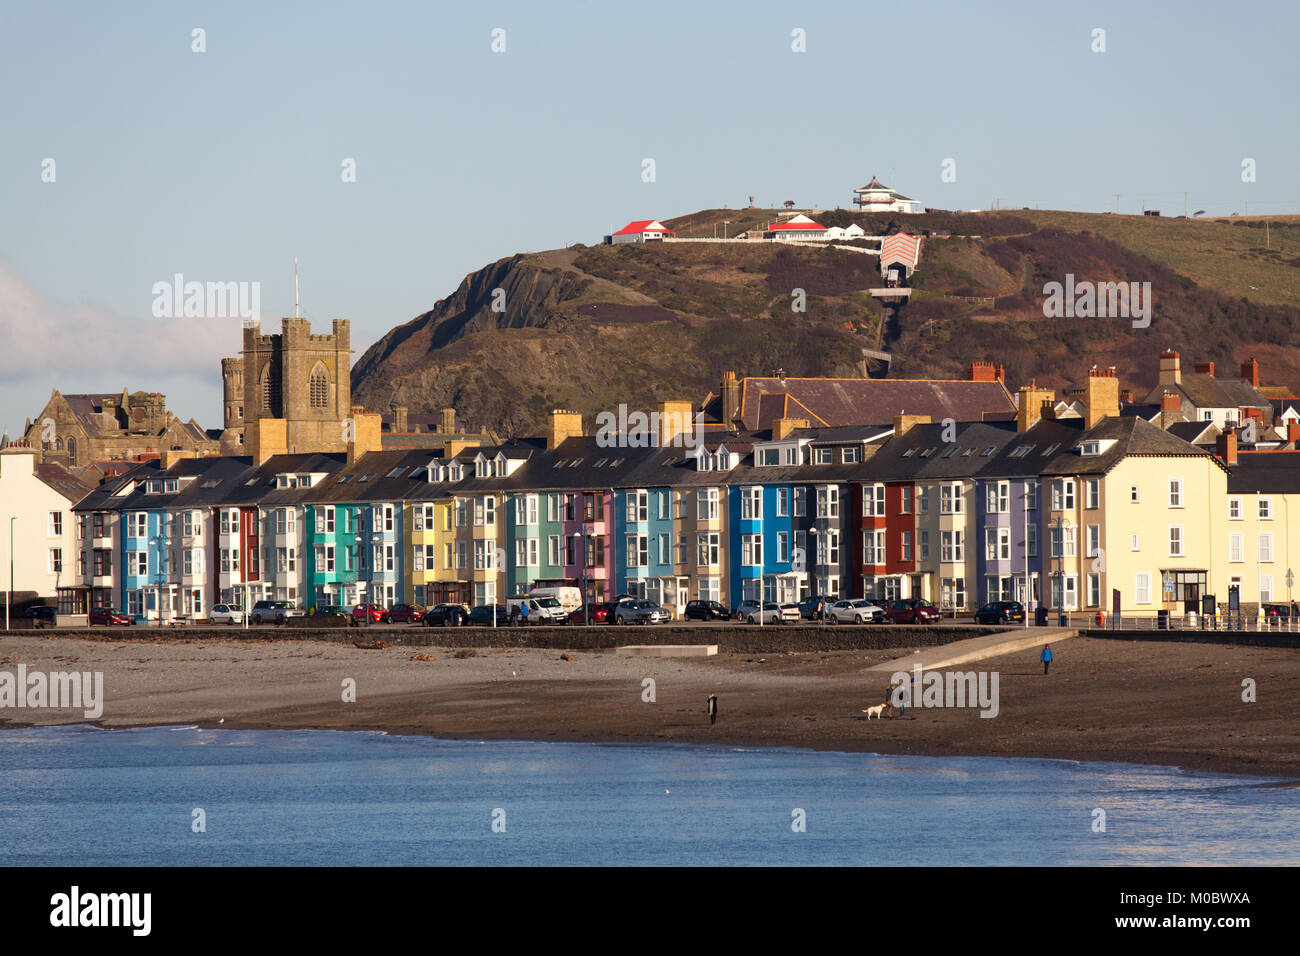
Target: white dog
x,y
877,711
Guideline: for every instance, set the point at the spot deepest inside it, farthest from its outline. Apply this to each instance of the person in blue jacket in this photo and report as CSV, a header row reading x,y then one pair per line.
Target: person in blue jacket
x,y
1046,657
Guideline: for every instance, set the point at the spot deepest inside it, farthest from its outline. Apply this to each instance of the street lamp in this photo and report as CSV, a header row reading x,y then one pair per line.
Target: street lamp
x,y
821,564
361,586
579,546
9,597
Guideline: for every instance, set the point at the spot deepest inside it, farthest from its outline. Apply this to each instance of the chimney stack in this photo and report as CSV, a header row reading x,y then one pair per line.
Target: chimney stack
x,y
1170,372
1225,448
563,424
1029,405
399,418
730,400
903,423
1250,372
1103,396
448,424
1293,433
981,372
1171,402
1205,368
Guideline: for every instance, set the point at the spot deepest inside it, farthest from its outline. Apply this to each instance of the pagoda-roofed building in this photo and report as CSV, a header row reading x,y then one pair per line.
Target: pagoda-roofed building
x,y
877,197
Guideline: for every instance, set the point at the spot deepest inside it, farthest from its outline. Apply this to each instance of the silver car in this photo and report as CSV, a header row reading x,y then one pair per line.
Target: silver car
x,y
859,611
640,612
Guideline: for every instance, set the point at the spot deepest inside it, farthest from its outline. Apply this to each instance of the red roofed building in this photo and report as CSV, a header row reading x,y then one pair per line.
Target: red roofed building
x,y
797,228
642,230
899,249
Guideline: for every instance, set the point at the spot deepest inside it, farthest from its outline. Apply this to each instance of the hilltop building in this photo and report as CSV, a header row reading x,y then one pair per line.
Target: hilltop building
x,y
877,197
640,230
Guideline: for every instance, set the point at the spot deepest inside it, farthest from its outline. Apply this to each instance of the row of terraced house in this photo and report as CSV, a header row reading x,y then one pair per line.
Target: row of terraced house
x,y
1067,505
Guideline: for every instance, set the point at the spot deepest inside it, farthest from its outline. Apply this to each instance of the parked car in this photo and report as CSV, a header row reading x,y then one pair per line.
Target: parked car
x,y
599,613
225,614
446,615
361,610
706,611
1000,612
748,611
640,612
404,614
913,611
1278,614
482,614
855,611
810,608
107,616
43,615
329,610
274,612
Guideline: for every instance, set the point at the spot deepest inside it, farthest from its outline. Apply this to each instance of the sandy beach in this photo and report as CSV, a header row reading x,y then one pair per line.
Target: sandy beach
x,y
1108,700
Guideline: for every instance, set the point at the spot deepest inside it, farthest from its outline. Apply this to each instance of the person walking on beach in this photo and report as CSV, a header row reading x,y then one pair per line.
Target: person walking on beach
x,y
1046,657
713,709
523,614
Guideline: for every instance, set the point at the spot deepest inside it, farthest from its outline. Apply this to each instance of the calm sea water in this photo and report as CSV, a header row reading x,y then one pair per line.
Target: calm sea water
x,y
83,796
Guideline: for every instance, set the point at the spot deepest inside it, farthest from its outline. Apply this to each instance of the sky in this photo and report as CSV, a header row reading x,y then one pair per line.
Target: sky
x,y
129,157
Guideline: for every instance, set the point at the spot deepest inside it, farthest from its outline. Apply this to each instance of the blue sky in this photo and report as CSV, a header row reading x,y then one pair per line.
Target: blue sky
x,y
224,165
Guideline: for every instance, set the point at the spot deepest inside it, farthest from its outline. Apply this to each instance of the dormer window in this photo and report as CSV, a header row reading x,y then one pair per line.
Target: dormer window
x,y
171,485
1090,448
852,455
482,469
768,456
154,487
821,456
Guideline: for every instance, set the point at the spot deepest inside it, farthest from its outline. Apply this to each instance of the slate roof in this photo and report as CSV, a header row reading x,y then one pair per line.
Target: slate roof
x,y
63,481
1271,472
1132,436
861,401
1202,390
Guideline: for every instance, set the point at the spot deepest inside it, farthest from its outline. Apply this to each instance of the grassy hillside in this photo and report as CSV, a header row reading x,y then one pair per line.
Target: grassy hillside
x,y
588,327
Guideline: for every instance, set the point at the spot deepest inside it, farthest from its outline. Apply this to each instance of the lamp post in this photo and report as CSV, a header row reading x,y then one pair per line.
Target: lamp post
x,y
579,546
361,585
9,597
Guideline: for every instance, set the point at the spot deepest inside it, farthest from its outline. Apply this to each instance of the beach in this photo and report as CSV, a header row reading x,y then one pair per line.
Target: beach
x,y
1104,700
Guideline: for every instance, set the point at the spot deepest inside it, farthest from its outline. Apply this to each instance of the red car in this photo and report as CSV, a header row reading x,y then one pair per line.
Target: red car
x,y
595,613
913,611
107,616
376,613
404,614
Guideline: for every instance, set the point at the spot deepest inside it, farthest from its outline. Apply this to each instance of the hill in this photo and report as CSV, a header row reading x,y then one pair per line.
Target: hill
x,y
588,327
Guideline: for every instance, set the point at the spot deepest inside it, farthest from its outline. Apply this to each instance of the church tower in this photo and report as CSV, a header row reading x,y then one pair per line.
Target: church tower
x,y
297,389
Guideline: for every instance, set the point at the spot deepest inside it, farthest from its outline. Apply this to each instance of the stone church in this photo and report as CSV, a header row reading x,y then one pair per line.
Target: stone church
x,y
291,393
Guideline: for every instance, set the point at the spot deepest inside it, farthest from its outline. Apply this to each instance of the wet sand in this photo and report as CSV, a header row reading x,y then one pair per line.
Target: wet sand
x,y
1108,700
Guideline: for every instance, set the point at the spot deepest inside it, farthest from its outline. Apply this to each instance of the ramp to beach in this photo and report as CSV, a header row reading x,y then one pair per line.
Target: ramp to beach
x,y
978,648
667,650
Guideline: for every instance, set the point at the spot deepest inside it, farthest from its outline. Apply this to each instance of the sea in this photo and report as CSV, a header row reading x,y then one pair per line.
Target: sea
x,y
164,796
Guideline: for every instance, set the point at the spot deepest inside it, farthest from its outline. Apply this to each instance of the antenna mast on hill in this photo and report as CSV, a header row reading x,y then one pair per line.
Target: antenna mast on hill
x,y
296,313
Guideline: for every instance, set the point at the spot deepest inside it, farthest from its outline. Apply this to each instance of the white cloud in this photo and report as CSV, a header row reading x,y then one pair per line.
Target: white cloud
x,y
46,344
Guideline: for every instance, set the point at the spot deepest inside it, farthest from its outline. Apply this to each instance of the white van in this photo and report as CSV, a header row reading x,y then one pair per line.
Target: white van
x,y
541,610
570,598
